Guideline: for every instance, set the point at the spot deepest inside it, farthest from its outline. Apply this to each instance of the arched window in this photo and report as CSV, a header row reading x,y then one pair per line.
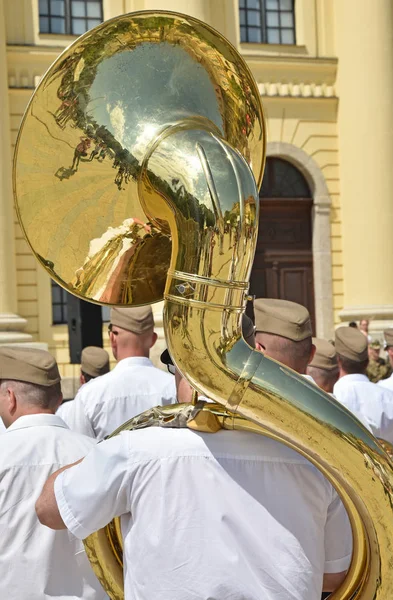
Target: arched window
x,y
282,180
283,265
72,17
267,21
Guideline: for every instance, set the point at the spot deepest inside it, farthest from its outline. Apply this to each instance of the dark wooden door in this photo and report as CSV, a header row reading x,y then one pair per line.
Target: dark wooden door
x,y
283,265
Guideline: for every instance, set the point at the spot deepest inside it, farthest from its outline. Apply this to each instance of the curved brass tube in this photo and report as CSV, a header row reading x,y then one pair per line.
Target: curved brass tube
x,y
204,301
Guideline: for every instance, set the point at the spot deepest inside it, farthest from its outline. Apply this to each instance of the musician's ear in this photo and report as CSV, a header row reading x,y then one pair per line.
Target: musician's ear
x,y
259,347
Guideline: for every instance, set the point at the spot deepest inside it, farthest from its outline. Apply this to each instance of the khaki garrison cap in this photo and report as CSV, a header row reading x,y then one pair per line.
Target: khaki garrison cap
x,y
94,361
29,365
351,343
325,356
388,334
281,317
248,330
137,320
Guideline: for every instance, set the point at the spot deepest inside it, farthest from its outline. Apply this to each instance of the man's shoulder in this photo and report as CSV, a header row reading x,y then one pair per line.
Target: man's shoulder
x,y
94,385
75,437
163,443
41,445
386,383
123,370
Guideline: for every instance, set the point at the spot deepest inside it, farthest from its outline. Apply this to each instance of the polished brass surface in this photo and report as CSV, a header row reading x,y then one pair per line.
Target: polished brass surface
x,y
173,108
88,129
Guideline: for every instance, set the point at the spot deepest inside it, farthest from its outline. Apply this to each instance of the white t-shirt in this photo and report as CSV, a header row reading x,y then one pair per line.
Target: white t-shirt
x,y
2,426
372,402
229,515
387,383
37,563
105,403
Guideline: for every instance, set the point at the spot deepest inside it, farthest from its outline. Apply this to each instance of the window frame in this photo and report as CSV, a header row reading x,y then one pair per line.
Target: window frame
x,y
263,26
68,17
62,304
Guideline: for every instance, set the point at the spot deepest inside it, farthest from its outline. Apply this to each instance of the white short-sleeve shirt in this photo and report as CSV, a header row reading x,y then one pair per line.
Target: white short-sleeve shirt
x,y
387,383
105,403
37,563
2,426
65,411
229,515
372,402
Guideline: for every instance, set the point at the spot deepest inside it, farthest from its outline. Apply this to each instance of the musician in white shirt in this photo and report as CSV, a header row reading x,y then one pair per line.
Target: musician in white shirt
x,y
35,562
133,386
94,363
225,515
354,390
388,334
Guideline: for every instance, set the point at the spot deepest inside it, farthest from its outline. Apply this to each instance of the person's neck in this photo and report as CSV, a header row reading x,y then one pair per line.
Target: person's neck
x,y
131,354
29,413
344,373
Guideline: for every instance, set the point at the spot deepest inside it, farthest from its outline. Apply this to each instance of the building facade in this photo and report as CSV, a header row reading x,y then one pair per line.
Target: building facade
x,y
323,69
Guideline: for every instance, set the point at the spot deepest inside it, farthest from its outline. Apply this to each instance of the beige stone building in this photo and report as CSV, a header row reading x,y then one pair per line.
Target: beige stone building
x,y
324,69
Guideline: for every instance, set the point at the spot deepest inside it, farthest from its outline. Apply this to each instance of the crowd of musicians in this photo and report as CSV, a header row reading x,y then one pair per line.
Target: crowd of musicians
x,y
225,516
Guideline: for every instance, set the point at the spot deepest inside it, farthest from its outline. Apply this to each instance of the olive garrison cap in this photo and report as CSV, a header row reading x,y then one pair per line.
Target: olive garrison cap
x,y
388,334
325,356
282,317
29,365
94,361
351,343
135,319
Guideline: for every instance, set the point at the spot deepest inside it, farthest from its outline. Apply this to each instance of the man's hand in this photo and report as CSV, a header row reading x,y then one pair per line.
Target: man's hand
x,y
46,506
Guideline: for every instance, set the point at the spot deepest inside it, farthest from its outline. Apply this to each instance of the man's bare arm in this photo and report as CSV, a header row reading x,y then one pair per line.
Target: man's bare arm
x,y
331,581
46,506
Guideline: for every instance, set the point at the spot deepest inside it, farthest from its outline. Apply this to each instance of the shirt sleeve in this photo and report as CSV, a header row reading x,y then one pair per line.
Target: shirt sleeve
x,y
76,417
96,490
338,538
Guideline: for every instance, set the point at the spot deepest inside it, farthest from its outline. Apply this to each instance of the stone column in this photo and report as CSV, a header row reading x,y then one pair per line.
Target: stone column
x,y
364,37
11,325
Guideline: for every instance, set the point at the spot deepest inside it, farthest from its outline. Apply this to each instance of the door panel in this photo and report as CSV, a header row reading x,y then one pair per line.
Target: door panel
x,y
283,265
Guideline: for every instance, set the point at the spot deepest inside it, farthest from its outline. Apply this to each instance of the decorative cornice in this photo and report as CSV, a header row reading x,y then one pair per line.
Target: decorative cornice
x,y
370,311
27,64
297,90
296,77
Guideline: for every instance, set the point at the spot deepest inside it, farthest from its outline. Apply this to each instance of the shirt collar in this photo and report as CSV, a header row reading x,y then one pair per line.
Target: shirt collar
x,y
354,377
309,378
37,420
133,361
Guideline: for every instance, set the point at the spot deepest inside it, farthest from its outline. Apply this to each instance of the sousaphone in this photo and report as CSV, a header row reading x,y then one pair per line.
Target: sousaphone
x,y
136,178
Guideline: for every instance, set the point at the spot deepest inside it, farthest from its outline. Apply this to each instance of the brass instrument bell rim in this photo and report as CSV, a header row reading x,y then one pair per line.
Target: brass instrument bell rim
x,y
80,40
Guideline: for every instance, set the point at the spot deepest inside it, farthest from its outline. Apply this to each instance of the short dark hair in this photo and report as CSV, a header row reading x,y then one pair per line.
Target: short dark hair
x,y
322,377
86,376
352,367
42,396
294,354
